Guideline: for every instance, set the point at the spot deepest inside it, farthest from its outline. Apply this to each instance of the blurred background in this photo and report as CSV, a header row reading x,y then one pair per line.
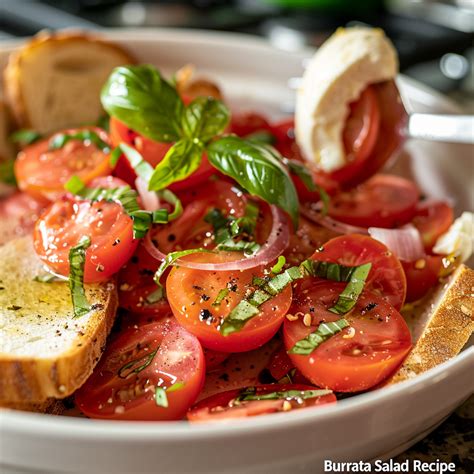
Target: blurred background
x,y
434,38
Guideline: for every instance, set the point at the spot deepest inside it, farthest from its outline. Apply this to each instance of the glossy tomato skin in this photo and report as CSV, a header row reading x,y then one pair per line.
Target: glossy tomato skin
x,y
65,222
222,406
281,366
152,152
122,389
383,201
43,173
386,277
246,123
422,275
354,359
191,295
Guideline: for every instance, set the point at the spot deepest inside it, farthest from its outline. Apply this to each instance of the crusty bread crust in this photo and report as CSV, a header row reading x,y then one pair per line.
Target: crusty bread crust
x,y
70,347
50,406
441,326
14,77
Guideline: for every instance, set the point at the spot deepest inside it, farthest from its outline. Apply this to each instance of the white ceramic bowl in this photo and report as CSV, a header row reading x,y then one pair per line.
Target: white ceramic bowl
x,y
379,424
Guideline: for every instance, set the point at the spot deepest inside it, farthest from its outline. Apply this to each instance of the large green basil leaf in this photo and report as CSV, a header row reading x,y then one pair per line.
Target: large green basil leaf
x,y
204,118
257,170
139,97
181,160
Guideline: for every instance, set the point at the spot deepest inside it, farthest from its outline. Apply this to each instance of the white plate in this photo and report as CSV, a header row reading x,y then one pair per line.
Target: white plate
x,y
374,425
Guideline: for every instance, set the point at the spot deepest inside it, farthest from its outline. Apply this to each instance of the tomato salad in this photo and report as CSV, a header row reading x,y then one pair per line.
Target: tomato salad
x,y
222,240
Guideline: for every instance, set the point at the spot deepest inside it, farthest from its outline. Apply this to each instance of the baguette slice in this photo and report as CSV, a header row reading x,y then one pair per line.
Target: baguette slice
x,y
440,325
54,81
44,351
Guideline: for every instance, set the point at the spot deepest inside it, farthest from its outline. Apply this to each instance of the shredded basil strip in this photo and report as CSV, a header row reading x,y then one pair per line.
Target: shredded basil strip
x,y
77,260
176,386
348,298
25,137
250,394
137,365
87,136
325,331
278,267
220,296
161,399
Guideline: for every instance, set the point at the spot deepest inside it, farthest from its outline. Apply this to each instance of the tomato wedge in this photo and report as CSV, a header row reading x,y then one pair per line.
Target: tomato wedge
x,y
193,296
153,372
42,172
386,278
360,356
382,201
66,221
233,403
152,152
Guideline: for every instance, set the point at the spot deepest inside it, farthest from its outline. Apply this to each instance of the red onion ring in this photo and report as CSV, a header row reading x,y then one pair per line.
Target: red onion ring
x,y
150,199
277,242
404,242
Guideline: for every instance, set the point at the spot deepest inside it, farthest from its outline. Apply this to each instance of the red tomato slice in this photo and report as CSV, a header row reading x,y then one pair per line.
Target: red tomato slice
x,y
107,182
152,152
43,172
360,356
225,406
386,278
433,219
281,366
243,124
135,364
18,215
382,201
422,275
67,220
214,358
191,294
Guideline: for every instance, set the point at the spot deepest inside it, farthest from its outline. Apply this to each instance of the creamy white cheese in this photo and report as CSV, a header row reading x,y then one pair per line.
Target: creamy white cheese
x,y
459,239
337,74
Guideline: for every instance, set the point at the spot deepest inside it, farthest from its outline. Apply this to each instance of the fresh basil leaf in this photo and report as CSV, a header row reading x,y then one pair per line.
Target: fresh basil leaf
x,y
176,386
140,98
75,185
204,118
77,261
181,160
174,200
135,366
256,170
221,296
250,394
325,331
25,137
88,136
7,172
261,137
300,170
161,399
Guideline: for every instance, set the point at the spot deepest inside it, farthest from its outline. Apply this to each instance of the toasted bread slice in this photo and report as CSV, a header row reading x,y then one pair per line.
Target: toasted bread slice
x,y
45,352
54,81
440,325
50,406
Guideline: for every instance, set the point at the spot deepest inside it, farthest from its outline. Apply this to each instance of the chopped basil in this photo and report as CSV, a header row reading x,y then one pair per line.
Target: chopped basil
x,y
87,136
155,296
220,296
137,365
278,267
141,167
261,136
77,260
250,394
175,386
325,331
25,137
161,399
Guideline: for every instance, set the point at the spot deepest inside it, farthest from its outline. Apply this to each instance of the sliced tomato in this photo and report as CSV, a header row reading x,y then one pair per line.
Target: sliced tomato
x,y
156,358
382,201
422,275
433,219
386,278
360,356
107,182
281,367
43,172
227,405
66,221
214,358
152,152
246,123
361,131
192,295
18,215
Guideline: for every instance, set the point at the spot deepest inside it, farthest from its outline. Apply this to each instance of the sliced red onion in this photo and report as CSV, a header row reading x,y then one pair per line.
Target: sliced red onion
x,y
405,242
275,245
330,223
150,199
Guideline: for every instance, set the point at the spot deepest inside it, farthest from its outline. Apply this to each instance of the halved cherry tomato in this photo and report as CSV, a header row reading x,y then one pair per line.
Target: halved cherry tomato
x,y
382,201
152,152
433,219
360,356
281,366
386,278
192,295
422,275
124,384
226,405
43,172
18,215
67,220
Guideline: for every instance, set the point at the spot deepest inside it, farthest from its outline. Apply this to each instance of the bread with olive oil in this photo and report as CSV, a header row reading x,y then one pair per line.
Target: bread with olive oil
x,y
54,81
46,352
